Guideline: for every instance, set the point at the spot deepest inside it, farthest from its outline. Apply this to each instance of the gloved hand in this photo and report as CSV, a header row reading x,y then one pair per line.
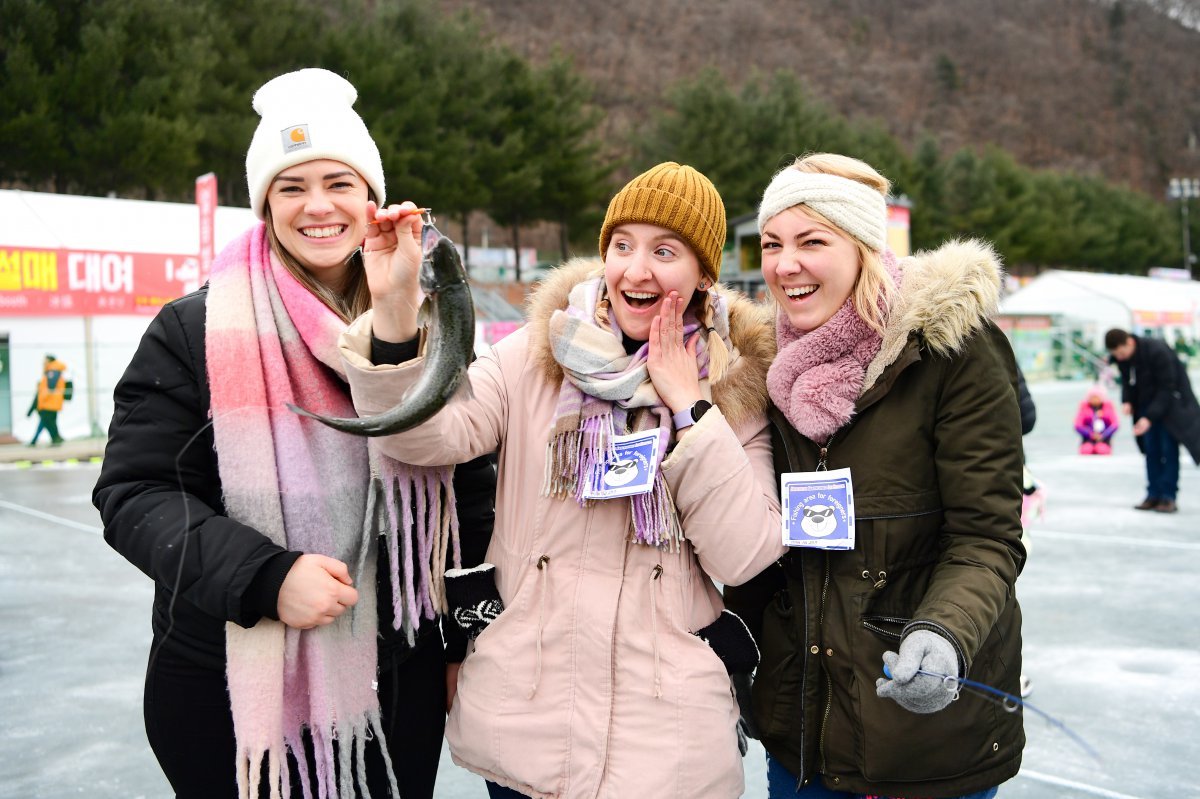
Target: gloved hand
x,y
732,642
473,598
920,693
743,682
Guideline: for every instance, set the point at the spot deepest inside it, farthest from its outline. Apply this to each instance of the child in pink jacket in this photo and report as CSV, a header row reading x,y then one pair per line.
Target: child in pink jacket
x,y
1096,421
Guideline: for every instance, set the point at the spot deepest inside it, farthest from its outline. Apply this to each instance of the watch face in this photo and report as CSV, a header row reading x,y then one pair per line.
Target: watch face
x,y
699,409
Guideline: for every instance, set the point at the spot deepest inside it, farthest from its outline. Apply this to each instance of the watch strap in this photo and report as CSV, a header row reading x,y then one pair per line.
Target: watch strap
x,y
690,415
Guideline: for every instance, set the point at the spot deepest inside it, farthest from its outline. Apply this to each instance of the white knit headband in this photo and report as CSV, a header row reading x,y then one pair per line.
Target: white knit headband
x,y
854,207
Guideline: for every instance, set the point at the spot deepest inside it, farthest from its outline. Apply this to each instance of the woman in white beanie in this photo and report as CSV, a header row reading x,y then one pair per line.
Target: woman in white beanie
x,y
297,572
891,386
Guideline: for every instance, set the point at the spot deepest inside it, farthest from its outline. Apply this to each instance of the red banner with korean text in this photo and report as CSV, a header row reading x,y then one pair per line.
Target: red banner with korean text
x,y
62,282
206,204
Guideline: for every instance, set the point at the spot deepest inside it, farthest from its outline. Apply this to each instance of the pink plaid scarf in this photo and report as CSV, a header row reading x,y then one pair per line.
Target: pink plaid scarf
x,y
605,392
816,377
312,489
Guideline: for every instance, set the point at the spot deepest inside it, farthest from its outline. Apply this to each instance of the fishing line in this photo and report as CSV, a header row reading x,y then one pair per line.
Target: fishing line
x,y
187,527
1010,703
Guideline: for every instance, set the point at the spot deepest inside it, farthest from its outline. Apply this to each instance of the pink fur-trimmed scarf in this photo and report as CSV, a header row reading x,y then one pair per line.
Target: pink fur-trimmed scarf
x,y
816,377
312,489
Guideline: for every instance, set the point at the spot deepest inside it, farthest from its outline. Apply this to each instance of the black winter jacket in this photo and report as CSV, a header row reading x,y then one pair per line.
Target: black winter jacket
x,y
159,496
1155,382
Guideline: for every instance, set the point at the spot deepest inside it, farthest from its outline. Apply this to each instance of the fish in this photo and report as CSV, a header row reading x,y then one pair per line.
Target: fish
x,y
449,316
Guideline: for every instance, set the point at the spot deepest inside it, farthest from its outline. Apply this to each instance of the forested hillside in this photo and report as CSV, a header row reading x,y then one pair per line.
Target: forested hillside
x,y
1049,127
1110,89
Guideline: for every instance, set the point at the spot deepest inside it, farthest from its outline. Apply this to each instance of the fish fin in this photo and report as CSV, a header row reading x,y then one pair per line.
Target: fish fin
x,y
425,313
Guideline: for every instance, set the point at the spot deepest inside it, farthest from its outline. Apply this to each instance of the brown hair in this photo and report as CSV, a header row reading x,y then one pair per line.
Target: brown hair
x,y
1115,338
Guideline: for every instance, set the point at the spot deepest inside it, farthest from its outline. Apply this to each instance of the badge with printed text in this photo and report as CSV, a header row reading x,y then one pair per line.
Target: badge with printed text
x,y
818,509
629,471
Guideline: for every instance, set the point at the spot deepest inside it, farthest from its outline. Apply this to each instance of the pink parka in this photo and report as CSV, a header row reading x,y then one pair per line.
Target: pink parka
x,y
591,683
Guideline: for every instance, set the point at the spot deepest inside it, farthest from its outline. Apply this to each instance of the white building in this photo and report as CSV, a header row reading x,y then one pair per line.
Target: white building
x,y
81,278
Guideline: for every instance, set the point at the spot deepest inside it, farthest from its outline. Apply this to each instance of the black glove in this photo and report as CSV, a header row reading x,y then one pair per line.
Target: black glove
x,y
742,685
473,599
731,640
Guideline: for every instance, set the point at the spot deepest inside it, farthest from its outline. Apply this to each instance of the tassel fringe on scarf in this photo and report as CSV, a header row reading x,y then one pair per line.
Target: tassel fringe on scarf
x,y
312,489
607,392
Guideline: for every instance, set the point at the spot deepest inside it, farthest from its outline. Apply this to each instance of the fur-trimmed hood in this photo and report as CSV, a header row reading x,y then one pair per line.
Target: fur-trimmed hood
x,y
741,394
945,296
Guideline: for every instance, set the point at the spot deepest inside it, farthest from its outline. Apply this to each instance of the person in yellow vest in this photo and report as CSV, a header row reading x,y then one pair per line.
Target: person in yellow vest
x,y
51,392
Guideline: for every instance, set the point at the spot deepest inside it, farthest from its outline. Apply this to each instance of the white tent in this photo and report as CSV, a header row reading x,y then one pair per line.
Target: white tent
x,y
1092,303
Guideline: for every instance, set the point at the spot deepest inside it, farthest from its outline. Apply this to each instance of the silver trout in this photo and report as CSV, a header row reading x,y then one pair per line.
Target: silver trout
x,y
450,317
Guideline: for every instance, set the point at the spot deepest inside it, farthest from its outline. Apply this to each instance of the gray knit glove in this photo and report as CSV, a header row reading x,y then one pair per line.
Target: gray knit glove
x,y
920,693
473,598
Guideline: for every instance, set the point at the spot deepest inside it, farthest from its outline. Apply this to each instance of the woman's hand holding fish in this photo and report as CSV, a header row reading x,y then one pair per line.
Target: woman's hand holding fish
x,y
671,363
392,258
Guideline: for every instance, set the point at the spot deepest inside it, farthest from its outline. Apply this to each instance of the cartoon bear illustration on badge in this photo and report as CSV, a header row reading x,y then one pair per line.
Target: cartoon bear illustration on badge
x,y
621,473
818,521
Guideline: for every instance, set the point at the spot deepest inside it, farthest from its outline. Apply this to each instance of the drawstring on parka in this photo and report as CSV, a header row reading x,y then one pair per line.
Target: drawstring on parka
x,y
655,573
543,566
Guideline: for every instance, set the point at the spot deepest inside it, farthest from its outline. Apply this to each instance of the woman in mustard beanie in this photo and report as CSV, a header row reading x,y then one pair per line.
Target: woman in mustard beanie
x,y
294,652
634,469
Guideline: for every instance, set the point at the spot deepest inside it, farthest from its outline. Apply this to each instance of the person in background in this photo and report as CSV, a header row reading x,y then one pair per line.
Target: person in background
x,y
1096,421
48,401
296,592
597,678
894,372
1157,394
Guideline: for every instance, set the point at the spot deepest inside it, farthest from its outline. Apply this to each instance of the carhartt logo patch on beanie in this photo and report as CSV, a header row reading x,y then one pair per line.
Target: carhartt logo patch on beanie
x,y
308,115
678,198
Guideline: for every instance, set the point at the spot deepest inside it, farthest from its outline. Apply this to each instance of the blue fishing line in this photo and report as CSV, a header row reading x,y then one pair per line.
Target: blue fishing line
x,y
1007,701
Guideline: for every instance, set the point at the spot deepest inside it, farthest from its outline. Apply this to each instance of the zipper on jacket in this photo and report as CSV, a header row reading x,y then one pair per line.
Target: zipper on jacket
x,y
612,675
828,680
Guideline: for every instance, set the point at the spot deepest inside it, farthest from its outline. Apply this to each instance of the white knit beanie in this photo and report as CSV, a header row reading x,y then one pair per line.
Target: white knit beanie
x,y
854,207
307,115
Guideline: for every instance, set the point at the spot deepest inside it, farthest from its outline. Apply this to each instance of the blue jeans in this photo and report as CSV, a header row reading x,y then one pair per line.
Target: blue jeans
x,y
1162,463
781,784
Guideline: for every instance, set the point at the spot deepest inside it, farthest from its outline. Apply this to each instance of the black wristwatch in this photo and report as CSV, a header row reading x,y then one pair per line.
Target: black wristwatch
x,y
689,416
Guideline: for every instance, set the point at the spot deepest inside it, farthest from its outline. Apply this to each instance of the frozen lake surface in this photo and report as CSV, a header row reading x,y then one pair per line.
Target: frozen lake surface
x,y
1109,597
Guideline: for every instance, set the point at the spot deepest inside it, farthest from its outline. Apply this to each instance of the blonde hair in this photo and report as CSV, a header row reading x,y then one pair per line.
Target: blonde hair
x,y
355,297
874,288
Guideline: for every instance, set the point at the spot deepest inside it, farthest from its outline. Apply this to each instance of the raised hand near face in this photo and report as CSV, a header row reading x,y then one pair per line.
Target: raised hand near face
x,y
671,363
392,258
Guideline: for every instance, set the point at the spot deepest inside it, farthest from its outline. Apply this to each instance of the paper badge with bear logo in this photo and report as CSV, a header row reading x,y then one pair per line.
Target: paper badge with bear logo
x,y
818,509
629,470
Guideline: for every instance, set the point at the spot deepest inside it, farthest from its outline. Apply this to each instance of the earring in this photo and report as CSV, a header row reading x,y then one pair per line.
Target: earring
x,y
703,285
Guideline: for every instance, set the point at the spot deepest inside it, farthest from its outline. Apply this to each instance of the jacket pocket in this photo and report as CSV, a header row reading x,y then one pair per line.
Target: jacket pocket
x,y
898,745
779,681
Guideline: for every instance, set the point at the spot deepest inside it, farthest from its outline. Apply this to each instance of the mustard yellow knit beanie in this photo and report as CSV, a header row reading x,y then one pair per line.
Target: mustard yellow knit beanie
x,y
678,198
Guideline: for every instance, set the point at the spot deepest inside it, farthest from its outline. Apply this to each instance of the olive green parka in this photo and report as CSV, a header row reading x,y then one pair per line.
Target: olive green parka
x,y
934,449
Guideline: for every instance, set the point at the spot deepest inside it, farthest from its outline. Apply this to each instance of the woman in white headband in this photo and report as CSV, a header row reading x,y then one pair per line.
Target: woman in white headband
x,y
898,444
